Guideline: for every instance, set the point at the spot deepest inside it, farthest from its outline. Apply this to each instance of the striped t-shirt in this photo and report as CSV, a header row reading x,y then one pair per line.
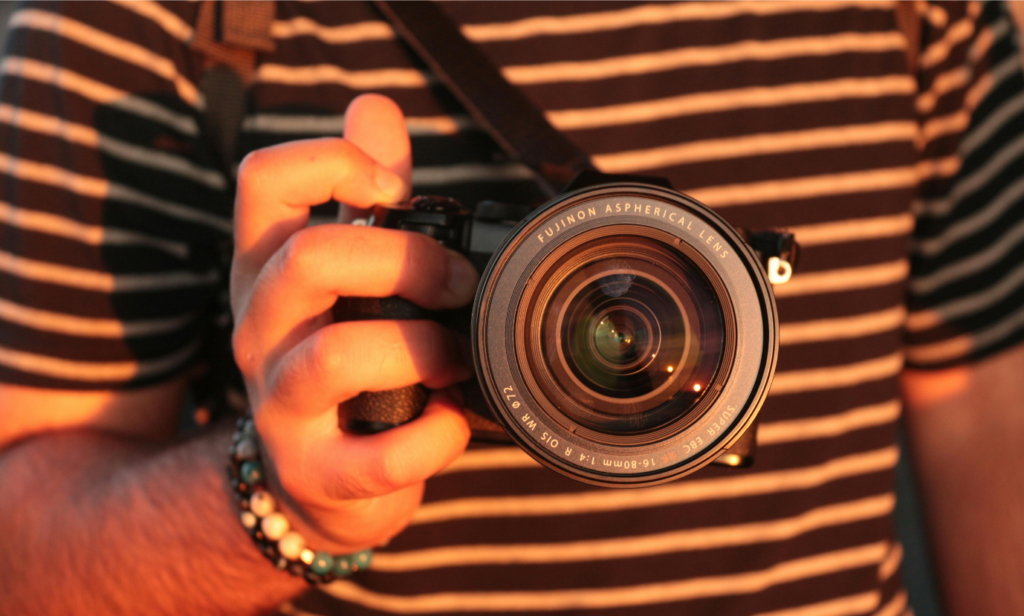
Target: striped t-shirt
x,y
905,192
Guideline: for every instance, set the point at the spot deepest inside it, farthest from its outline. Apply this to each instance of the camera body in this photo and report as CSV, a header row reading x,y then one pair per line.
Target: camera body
x,y
623,333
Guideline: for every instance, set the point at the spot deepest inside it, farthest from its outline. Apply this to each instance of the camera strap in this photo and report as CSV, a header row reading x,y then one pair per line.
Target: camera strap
x,y
502,110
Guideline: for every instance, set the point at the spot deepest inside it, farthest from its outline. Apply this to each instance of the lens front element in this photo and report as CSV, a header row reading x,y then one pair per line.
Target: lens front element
x,y
629,333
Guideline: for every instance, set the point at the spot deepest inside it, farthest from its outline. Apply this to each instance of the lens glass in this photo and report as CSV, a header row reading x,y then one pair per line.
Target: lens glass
x,y
615,328
631,334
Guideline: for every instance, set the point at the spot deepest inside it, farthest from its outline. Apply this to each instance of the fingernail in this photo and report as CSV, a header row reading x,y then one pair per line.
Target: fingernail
x,y
462,276
389,183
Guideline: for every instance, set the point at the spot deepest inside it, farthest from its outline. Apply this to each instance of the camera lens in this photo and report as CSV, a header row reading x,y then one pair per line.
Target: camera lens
x,y
624,335
630,333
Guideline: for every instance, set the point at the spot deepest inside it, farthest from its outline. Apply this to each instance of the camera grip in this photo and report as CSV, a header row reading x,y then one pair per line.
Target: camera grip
x,y
376,411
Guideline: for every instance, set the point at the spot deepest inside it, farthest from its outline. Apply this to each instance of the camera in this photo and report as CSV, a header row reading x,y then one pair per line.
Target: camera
x,y
623,333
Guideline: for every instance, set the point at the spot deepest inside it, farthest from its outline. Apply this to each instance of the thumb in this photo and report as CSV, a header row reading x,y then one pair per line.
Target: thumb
x,y
375,124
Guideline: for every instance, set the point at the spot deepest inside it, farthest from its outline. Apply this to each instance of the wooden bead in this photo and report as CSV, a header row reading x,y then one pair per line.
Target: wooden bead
x,y
291,545
262,503
274,526
248,520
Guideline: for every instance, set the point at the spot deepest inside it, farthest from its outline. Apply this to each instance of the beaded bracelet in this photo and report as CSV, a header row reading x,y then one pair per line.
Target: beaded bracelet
x,y
269,528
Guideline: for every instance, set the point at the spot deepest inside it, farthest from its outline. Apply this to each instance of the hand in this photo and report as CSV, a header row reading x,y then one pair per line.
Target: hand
x,y
352,491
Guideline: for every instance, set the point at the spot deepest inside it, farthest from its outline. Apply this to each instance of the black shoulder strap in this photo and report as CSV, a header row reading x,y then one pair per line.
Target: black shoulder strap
x,y
229,35
511,119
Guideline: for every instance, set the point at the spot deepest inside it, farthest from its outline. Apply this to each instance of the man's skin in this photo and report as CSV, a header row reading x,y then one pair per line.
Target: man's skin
x,y
966,431
103,512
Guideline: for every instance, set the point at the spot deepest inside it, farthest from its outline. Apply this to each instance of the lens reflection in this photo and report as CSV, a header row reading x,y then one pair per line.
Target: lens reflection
x,y
629,334
615,337
613,343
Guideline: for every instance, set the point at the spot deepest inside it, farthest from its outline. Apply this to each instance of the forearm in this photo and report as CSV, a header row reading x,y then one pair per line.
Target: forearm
x,y
967,447
95,524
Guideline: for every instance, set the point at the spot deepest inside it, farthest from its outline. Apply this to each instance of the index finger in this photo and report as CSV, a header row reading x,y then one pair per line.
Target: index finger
x,y
278,185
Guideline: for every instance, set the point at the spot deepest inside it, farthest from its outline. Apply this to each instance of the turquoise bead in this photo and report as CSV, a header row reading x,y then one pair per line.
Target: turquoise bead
x,y
342,566
252,472
322,563
361,560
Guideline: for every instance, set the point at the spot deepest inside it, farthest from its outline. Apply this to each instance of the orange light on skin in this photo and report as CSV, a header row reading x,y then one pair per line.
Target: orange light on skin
x,y
696,387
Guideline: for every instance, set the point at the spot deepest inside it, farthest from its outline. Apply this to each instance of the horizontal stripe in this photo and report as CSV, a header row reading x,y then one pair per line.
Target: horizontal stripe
x,y
952,80
842,328
609,597
94,235
834,377
987,35
673,59
728,100
97,92
88,136
490,459
874,180
756,145
993,124
100,188
646,15
962,306
844,606
332,35
171,23
975,263
846,279
942,126
944,167
397,78
936,16
778,432
853,230
72,325
470,172
937,52
973,223
95,280
693,490
639,546
985,83
979,178
109,45
425,126
964,345
888,567
94,372
895,606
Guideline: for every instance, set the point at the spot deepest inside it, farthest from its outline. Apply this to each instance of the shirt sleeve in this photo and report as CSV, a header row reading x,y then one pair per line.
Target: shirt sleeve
x,y
966,291
114,217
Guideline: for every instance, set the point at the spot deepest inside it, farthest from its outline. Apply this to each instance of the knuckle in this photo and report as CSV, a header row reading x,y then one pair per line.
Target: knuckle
x,y
348,485
390,473
242,348
324,357
298,256
251,167
425,261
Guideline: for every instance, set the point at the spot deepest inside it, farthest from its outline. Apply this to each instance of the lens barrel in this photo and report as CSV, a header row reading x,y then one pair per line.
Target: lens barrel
x,y
608,331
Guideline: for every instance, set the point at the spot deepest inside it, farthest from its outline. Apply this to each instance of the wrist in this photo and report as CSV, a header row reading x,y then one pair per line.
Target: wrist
x,y
283,535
